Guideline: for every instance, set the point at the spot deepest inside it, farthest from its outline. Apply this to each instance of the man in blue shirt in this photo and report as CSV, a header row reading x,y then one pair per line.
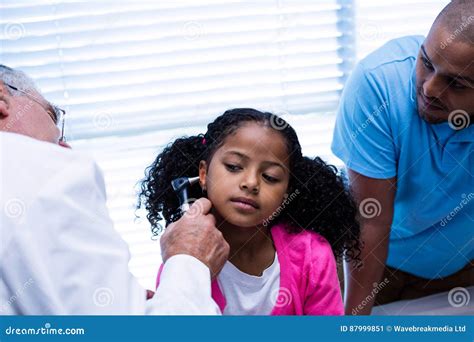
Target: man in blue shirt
x,y
405,132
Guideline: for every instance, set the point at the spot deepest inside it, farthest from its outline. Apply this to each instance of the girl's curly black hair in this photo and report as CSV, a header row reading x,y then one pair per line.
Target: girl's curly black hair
x,y
323,205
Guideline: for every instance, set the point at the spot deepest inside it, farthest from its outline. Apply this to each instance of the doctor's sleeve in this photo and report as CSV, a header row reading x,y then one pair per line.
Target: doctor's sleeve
x,y
184,289
90,259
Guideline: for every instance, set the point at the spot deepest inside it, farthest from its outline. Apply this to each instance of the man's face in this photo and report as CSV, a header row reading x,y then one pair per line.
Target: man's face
x,y
444,76
24,115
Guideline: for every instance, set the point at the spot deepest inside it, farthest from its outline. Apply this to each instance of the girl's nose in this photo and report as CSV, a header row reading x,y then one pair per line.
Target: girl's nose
x,y
250,183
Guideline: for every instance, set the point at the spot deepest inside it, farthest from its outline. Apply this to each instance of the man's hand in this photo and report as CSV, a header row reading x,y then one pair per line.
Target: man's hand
x,y
196,234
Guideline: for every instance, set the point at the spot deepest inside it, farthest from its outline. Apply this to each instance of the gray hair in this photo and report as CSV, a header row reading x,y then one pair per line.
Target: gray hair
x,y
18,79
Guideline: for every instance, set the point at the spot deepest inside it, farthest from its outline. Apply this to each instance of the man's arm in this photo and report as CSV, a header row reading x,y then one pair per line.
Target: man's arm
x,y
363,140
375,199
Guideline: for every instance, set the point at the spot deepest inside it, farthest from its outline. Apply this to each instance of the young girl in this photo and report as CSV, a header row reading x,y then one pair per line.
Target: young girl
x,y
285,216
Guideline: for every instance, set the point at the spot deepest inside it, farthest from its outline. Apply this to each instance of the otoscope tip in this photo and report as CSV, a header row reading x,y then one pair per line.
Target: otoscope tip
x,y
193,180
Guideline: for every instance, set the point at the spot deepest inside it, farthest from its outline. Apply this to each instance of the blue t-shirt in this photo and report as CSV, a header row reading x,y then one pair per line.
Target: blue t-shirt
x,y
379,134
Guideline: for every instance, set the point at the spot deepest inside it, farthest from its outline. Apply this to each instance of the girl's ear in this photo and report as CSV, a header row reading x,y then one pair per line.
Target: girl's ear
x,y
202,174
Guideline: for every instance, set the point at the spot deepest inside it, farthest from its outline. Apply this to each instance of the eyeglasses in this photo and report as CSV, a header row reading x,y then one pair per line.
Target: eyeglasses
x,y
56,114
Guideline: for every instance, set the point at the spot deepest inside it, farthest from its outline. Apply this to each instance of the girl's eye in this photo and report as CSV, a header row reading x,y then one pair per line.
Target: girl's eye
x,y
427,64
270,178
232,168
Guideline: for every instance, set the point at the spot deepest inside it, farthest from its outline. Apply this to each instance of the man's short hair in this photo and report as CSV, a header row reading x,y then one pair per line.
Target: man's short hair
x,y
458,18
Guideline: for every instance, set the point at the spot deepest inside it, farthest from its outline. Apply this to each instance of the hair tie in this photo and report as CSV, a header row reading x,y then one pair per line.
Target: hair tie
x,y
204,141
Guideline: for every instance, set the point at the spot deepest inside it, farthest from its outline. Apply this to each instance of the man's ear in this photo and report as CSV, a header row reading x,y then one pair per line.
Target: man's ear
x,y
4,101
3,88
202,174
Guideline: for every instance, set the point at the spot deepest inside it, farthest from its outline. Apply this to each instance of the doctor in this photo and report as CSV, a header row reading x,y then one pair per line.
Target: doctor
x,y
59,252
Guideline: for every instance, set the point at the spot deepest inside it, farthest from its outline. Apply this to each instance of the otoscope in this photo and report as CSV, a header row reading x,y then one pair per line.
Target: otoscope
x,y
181,186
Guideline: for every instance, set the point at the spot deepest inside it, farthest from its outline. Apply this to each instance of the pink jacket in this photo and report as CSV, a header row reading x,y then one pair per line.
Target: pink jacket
x,y
308,276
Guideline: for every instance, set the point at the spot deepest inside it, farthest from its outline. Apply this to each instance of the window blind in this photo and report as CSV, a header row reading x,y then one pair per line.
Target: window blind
x,y
135,75
380,21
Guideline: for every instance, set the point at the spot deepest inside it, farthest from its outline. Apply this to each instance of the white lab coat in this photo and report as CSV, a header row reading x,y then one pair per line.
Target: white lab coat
x,y
59,252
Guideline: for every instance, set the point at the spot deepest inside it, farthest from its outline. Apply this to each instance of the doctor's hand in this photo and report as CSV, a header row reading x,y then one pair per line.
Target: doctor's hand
x,y
196,234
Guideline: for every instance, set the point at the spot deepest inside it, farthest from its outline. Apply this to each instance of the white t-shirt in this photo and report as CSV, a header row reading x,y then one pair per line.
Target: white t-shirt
x,y
246,294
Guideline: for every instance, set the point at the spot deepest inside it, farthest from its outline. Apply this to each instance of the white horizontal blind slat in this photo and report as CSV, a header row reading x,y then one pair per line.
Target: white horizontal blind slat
x,y
94,59
381,21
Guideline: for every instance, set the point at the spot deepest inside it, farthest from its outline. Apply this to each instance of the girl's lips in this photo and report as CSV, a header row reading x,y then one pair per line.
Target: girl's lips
x,y
245,203
244,207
